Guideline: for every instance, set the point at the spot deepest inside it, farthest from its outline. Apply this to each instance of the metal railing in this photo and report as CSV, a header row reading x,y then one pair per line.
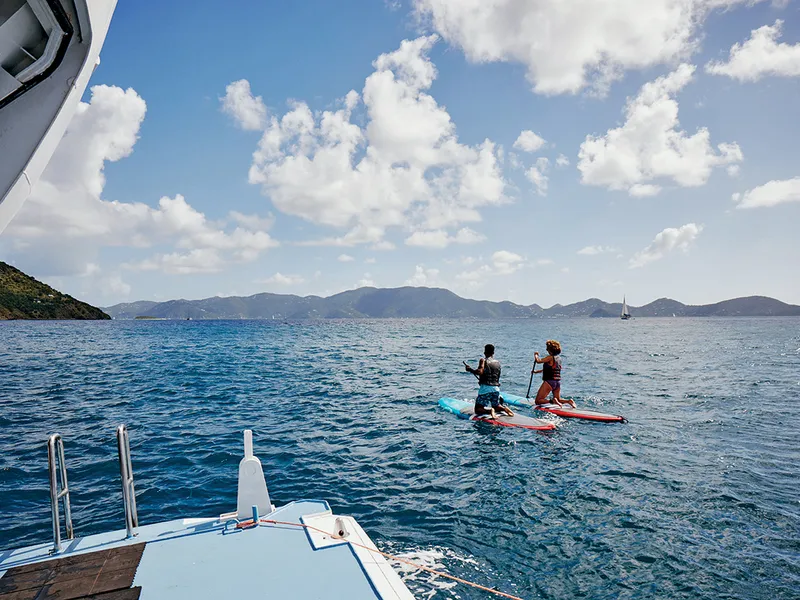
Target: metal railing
x,y
126,474
55,462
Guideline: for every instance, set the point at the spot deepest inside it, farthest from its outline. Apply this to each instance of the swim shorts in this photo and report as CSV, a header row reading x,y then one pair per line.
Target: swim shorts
x,y
492,399
555,384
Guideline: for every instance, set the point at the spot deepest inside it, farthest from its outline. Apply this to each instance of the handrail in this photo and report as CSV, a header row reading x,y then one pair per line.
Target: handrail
x,y
55,462
126,475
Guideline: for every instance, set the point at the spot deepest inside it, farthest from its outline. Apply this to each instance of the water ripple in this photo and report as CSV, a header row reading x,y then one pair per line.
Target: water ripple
x,y
695,498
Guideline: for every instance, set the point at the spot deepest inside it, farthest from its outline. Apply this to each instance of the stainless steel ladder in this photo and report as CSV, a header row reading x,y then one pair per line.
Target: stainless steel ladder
x,y
126,474
58,475
57,467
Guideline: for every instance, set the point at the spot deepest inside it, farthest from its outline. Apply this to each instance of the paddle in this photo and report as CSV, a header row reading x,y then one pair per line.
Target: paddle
x,y
530,383
473,372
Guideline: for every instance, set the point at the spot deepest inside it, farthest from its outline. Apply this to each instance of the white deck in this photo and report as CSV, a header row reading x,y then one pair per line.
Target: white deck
x,y
198,559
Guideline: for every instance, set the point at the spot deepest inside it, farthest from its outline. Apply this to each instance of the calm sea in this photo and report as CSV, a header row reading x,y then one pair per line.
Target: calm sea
x,y
696,497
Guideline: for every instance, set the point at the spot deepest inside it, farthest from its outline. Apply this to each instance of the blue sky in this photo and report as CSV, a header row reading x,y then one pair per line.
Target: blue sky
x,y
420,178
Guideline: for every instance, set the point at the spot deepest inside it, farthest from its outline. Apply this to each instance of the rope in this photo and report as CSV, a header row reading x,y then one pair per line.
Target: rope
x,y
389,556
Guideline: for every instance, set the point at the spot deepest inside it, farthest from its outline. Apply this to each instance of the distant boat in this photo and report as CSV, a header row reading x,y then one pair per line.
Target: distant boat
x,y
625,314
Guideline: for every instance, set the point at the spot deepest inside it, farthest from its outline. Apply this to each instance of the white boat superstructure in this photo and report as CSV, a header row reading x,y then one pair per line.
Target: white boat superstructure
x,y
48,51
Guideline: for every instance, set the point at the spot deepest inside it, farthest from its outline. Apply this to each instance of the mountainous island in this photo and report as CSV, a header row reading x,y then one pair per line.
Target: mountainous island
x,y
420,302
22,297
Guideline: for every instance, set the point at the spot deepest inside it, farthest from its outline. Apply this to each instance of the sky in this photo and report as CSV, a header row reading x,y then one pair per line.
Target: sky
x,y
538,151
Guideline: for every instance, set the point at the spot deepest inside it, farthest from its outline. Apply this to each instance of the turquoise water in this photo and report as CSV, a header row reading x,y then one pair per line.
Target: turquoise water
x,y
696,497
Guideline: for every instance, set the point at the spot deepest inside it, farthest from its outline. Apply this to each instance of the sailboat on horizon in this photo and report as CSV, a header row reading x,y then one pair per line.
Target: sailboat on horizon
x,y
625,315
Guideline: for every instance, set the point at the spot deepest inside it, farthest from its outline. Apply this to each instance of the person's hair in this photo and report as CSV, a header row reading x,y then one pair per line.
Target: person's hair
x,y
553,347
488,350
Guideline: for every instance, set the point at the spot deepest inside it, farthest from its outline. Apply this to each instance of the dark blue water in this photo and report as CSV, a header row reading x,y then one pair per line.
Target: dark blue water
x,y
696,497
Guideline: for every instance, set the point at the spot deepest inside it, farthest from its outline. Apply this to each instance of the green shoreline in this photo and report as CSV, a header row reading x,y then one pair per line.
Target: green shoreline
x,y
24,298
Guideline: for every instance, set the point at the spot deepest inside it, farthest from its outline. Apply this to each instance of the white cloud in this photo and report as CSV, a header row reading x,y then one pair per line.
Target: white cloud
x,y
562,161
644,190
441,239
503,262
67,217
252,222
650,146
108,286
366,281
506,263
771,193
283,280
465,235
247,111
665,242
528,141
370,261
536,175
760,56
345,258
200,260
403,168
567,46
475,275
513,161
423,277
383,245
732,170
565,270
594,250
543,262
90,270
114,286
360,234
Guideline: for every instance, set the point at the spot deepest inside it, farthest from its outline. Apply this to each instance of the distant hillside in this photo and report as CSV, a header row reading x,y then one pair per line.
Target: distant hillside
x,y
131,310
416,302
22,297
360,303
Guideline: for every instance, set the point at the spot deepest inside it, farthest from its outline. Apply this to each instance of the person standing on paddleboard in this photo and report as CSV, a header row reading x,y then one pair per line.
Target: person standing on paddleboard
x,y
551,374
488,373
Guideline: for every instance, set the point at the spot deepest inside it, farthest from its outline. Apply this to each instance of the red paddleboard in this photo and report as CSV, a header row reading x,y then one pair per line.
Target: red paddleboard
x,y
565,411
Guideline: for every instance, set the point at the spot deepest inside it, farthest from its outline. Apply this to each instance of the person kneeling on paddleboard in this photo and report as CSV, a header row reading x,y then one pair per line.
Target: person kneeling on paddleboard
x,y
488,373
551,375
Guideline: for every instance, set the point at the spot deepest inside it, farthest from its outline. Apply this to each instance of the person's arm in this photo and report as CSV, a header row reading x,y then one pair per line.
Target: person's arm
x,y
479,370
539,361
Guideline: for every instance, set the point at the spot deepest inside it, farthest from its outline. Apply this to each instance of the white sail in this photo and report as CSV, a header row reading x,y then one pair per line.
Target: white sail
x,y
625,314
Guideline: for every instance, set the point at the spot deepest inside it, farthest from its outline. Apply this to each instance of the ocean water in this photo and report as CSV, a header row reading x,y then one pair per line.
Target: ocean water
x,y
696,497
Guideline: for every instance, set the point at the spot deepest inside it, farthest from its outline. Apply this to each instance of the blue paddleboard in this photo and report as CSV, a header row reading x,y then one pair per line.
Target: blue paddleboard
x,y
465,410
